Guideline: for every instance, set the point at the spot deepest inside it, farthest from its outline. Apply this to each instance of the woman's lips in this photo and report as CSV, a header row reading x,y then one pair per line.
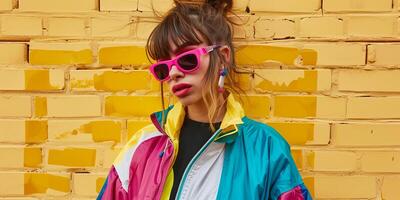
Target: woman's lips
x,y
182,92
181,89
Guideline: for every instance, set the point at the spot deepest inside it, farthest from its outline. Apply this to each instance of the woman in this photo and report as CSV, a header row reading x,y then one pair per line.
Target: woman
x,y
203,147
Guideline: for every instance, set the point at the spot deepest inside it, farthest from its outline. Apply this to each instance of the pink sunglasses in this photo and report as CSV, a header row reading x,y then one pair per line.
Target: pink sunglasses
x,y
186,62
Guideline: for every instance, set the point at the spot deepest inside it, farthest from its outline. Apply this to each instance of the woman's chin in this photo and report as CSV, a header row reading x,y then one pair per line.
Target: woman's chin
x,y
188,100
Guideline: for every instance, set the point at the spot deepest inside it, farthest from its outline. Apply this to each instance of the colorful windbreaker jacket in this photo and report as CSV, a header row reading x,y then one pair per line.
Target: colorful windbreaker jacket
x,y
244,159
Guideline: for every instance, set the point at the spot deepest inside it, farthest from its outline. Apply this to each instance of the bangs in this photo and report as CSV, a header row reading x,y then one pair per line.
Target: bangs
x,y
180,30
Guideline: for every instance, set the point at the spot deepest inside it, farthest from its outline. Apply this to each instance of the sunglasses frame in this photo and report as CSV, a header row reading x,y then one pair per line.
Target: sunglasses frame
x,y
197,52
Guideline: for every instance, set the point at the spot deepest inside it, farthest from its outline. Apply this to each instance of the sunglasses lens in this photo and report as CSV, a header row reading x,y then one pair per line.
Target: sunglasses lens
x,y
161,71
188,62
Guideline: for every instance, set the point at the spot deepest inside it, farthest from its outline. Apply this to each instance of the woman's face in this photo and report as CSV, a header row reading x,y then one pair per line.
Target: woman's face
x,y
188,87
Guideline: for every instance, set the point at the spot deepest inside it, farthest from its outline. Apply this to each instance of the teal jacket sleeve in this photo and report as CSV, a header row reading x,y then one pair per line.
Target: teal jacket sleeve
x,y
286,181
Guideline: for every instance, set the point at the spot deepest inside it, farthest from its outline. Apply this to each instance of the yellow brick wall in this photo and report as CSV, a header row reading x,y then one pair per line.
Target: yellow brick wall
x,y
72,71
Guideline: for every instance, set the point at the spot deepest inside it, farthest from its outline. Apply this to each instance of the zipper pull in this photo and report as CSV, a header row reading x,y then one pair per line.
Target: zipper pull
x,y
165,149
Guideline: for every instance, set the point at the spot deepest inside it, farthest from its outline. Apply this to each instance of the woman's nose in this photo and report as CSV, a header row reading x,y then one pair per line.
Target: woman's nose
x,y
175,73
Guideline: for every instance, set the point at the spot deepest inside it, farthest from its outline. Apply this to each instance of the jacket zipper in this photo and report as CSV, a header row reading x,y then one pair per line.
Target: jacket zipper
x,y
192,161
157,124
161,155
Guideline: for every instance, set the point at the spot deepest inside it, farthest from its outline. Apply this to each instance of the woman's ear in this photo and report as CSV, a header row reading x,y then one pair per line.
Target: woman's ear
x,y
225,52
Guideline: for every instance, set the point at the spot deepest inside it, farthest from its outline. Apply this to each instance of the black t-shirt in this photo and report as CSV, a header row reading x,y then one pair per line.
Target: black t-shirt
x,y
192,137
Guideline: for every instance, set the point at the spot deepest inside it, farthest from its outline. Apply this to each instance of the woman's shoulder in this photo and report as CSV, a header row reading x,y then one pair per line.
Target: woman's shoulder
x,y
257,130
139,137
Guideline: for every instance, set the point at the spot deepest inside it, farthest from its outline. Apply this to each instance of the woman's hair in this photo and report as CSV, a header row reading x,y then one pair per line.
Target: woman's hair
x,y
192,23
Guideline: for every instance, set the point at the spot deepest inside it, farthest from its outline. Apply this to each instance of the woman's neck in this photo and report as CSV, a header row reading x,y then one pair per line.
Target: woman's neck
x,y
198,112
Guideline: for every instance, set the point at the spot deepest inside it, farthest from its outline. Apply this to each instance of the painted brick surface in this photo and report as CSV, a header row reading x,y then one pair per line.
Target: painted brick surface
x,y
68,106
6,5
63,26
13,53
355,5
21,25
43,53
75,88
58,6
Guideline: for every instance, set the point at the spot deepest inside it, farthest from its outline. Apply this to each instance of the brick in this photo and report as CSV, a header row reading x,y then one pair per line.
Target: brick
x,y
12,157
63,26
51,184
134,126
110,80
292,80
382,54
390,187
122,53
12,79
303,133
44,79
328,27
6,5
375,81
332,161
31,79
398,4
309,107
366,134
256,106
355,5
297,155
86,184
36,131
32,157
394,4
40,105
19,157
245,27
69,106
155,85
307,6
118,5
274,28
15,106
23,131
14,184
79,131
21,25
344,186
127,105
359,26
373,107
72,157
339,54
111,26
13,53
244,81
58,6
262,54
144,28
109,156
58,53
20,183
380,162
161,6
12,131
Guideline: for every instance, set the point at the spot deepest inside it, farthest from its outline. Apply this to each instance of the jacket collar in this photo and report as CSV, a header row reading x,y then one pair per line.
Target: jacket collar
x,y
175,115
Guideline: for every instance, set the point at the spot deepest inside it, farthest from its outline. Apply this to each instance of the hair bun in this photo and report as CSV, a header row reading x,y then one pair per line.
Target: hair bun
x,y
221,5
